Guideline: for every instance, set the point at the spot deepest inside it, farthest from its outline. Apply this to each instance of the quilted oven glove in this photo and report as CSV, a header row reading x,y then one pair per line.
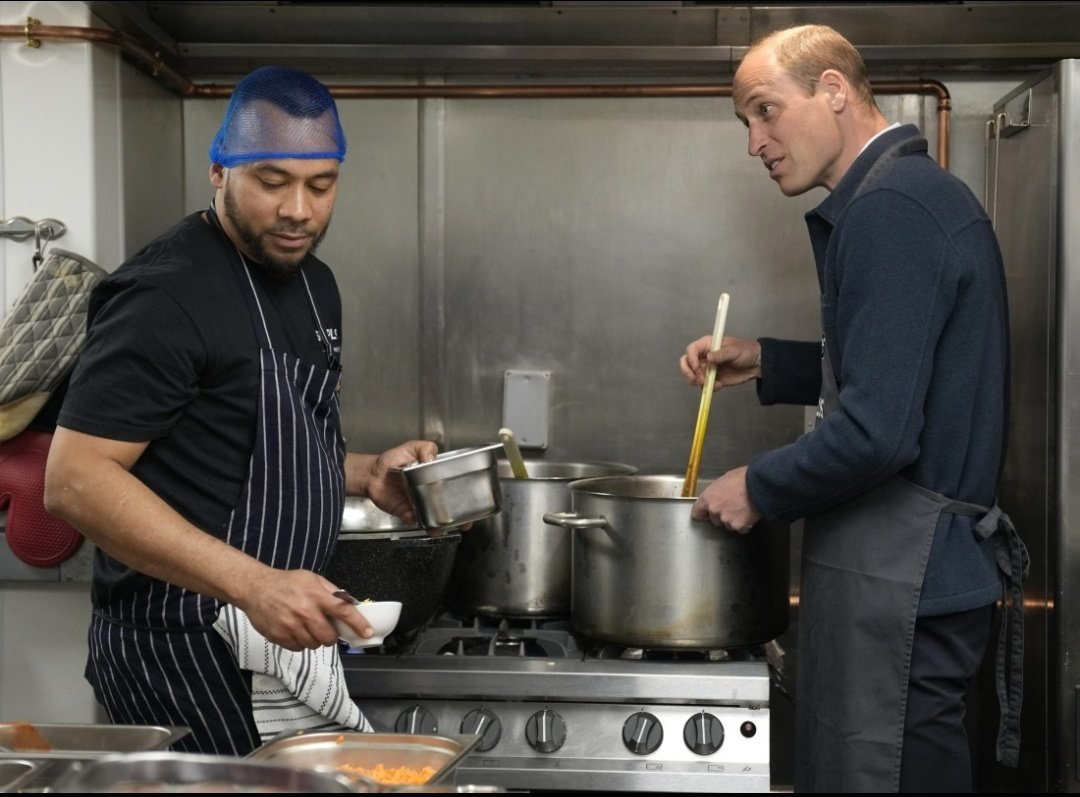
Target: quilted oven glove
x,y
42,336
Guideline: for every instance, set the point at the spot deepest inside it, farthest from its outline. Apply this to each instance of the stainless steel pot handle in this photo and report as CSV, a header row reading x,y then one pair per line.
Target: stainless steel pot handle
x,y
570,520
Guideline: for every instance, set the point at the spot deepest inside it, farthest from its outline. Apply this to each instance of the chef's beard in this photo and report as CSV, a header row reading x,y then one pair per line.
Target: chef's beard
x,y
277,268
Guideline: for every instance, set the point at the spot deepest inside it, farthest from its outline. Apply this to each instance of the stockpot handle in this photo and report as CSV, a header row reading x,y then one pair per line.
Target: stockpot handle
x,y
570,520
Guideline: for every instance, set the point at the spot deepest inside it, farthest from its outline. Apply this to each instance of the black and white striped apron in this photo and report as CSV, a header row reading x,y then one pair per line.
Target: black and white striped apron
x,y
155,659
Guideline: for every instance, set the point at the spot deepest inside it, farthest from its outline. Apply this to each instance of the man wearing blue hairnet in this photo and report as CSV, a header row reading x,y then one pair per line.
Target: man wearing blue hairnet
x,y
199,445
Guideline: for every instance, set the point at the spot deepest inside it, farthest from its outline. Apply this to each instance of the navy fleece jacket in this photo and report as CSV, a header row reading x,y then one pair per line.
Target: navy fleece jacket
x,y
914,315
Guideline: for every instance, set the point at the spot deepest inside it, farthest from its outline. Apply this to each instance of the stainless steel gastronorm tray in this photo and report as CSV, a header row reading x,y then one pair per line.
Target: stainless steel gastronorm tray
x,y
162,771
333,750
82,741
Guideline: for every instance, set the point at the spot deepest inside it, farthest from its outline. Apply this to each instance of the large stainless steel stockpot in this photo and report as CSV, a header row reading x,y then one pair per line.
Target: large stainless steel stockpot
x,y
644,574
511,564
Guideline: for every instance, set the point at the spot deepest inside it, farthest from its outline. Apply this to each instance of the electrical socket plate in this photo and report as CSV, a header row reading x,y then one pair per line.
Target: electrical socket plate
x,y
527,406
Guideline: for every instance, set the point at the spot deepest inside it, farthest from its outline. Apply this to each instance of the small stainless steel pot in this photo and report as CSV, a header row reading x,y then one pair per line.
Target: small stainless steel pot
x,y
455,488
643,574
511,564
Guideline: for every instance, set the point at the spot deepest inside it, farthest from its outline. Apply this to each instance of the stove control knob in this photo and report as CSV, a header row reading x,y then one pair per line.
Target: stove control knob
x,y
416,720
703,734
484,723
545,731
642,733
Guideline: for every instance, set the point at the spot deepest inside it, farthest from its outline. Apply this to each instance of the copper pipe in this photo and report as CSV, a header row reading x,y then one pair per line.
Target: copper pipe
x,y
152,61
185,88
944,108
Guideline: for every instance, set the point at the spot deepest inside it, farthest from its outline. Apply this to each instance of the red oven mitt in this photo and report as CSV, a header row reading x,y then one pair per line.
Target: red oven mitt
x,y
35,536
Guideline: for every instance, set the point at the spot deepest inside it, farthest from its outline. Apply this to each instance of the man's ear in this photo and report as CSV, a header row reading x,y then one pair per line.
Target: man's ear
x,y
217,175
835,86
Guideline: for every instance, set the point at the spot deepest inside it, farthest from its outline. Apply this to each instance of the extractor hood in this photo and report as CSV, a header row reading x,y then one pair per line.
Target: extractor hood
x,y
595,39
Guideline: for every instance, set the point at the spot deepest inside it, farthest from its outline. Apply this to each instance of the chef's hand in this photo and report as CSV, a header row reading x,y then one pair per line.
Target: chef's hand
x,y
725,503
387,489
295,609
737,361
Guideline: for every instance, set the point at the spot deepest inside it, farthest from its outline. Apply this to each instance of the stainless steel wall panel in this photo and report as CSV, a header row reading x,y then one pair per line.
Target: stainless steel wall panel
x,y
1033,187
1021,202
201,121
152,132
431,329
373,248
1064,657
592,239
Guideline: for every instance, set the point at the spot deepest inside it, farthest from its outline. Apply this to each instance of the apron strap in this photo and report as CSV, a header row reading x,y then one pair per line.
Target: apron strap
x,y
1013,561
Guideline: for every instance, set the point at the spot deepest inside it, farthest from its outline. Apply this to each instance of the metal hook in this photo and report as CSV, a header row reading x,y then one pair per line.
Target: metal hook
x,y
43,234
38,253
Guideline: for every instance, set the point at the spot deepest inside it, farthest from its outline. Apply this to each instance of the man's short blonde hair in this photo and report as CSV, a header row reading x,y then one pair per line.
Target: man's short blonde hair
x,y
805,51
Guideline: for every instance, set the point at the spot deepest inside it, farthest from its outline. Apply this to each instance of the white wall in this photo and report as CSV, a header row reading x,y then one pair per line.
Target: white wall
x,y
59,142
60,150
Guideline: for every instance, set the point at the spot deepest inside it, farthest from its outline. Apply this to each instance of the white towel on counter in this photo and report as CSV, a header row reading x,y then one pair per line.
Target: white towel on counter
x,y
290,690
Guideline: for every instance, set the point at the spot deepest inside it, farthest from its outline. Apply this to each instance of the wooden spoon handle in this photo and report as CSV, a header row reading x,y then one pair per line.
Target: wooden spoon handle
x,y
513,453
690,481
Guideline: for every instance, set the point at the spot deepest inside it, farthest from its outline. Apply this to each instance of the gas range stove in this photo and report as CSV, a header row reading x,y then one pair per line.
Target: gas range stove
x,y
557,711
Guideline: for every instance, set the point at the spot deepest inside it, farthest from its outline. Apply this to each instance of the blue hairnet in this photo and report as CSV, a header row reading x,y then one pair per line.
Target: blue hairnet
x,y
275,113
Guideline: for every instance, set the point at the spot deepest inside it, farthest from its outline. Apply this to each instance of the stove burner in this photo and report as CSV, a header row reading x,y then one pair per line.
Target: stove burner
x,y
612,651
497,645
451,635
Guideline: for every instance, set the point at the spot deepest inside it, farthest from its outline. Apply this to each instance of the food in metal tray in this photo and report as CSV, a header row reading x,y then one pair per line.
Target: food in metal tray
x,y
373,758
391,776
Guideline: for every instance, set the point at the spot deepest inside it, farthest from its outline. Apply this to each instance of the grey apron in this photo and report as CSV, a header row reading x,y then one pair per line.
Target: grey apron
x,y
862,573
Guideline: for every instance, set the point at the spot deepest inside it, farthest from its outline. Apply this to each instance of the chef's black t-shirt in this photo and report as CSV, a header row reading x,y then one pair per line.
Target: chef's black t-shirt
x,y
172,358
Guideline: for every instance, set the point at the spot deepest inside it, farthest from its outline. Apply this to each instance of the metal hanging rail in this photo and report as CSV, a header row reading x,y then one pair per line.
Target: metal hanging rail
x,y
34,32
20,228
44,230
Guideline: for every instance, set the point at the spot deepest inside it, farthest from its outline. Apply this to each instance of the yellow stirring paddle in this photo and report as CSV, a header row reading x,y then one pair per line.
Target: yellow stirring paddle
x,y
690,482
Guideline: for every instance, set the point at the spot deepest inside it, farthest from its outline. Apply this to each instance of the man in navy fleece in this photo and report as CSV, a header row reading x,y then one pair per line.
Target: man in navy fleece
x,y
904,552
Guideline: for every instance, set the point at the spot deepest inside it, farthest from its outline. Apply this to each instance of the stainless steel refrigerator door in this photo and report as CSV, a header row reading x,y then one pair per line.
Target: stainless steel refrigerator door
x,y
1033,195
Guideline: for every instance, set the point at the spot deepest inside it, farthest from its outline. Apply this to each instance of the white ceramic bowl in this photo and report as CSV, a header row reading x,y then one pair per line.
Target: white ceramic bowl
x,y
383,616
